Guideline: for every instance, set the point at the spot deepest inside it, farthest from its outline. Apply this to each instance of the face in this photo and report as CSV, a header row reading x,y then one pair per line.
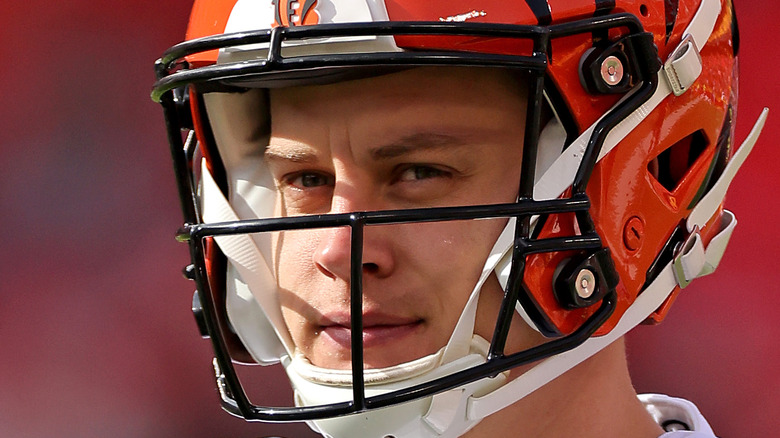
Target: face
x,y
424,137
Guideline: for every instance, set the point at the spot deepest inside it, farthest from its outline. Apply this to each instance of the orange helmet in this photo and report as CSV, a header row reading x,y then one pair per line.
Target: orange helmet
x,y
627,156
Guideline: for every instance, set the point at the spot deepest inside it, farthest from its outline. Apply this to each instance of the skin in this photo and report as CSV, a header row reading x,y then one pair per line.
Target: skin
x,y
419,138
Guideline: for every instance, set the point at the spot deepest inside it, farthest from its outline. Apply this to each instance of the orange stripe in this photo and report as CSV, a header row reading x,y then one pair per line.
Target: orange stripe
x,y
209,17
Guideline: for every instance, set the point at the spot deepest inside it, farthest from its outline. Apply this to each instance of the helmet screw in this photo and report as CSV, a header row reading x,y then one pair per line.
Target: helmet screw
x,y
633,232
585,283
612,70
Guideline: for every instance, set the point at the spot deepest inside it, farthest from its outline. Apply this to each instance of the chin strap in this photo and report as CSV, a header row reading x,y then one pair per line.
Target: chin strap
x,y
444,406
693,260
372,376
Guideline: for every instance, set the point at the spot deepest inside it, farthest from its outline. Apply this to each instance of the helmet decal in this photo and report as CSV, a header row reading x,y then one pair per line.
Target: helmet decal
x,y
295,13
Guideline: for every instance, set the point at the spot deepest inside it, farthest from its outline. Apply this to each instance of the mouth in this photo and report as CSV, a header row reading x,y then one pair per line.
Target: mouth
x,y
377,331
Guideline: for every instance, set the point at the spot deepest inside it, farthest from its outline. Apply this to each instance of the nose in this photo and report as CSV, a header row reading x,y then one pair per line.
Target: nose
x,y
333,255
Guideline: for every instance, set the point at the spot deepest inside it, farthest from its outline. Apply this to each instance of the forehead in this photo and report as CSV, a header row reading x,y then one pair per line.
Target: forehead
x,y
464,94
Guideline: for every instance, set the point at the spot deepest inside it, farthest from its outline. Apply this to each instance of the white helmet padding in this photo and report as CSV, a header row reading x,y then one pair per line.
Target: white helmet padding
x,y
239,127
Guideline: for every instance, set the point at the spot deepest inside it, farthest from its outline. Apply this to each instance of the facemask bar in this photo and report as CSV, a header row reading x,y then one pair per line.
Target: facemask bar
x,y
171,77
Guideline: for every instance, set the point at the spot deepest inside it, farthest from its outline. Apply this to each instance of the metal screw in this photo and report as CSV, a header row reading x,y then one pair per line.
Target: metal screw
x,y
585,284
612,70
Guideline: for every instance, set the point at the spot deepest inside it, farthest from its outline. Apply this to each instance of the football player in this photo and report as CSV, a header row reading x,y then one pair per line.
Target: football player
x,y
440,218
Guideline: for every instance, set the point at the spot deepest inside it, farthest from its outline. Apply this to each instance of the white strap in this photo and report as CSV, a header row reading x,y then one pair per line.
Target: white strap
x,y
683,66
690,261
718,244
710,202
441,412
701,25
460,341
244,255
693,261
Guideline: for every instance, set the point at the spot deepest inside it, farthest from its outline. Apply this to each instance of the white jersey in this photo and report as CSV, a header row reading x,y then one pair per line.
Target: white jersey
x,y
678,415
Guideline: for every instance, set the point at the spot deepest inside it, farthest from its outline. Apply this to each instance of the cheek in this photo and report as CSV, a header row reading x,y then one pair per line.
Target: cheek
x,y
294,272
293,251
453,254
465,243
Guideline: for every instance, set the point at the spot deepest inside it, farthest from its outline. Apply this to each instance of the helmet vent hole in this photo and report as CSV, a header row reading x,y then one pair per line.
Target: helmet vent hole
x,y
643,10
671,165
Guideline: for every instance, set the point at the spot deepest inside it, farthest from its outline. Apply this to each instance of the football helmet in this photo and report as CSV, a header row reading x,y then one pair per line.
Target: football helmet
x,y
627,157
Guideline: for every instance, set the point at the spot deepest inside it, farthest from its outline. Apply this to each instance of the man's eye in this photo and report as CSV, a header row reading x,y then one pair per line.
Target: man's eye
x,y
421,172
309,180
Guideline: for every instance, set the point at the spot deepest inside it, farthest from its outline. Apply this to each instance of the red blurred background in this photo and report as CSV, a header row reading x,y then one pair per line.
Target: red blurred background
x,y
96,336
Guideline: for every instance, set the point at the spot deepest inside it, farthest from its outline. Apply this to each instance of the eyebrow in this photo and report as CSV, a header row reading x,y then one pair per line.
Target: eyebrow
x,y
418,142
290,153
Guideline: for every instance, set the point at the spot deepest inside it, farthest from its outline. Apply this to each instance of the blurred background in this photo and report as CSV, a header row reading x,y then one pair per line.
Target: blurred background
x,y
96,335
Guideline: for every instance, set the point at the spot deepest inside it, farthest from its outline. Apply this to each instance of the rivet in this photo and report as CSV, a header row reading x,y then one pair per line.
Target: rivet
x,y
633,232
612,70
585,284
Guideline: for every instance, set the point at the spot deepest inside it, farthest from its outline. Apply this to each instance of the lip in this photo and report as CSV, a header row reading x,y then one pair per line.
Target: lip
x,y
377,330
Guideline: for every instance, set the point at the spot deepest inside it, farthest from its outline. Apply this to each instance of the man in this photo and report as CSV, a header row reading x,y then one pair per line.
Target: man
x,y
444,228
